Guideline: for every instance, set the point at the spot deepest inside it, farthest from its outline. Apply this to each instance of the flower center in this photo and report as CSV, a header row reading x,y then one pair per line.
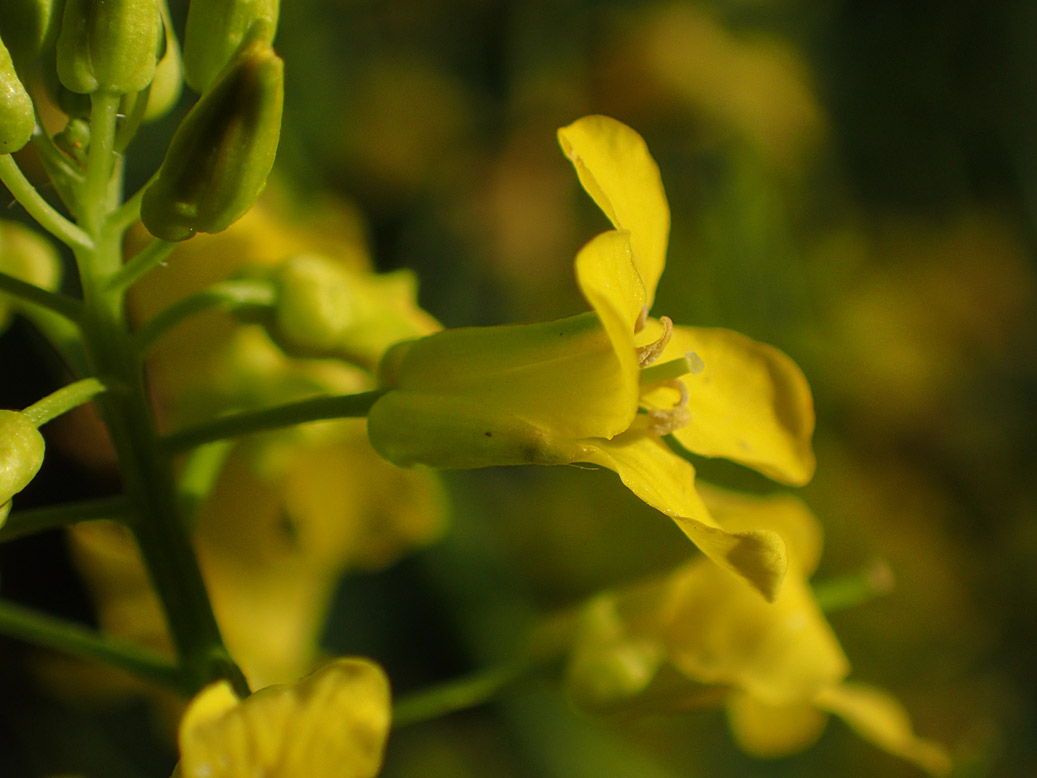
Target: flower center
x,y
663,421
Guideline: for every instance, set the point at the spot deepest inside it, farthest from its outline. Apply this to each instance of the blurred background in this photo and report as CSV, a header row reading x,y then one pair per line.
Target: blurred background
x,y
854,182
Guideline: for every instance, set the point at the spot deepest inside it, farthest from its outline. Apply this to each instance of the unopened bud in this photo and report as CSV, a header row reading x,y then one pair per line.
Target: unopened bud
x,y
221,154
109,45
21,453
168,82
17,120
29,257
216,30
327,309
28,27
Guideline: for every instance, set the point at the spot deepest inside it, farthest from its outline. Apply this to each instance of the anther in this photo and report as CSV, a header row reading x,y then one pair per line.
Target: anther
x,y
646,355
663,422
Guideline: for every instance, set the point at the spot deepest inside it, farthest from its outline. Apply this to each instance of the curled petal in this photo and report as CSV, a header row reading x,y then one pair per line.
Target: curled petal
x,y
606,273
784,513
666,482
332,723
751,404
617,171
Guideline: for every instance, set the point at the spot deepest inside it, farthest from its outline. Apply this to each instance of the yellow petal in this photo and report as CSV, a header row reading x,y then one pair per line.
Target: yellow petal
x,y
785,514
615,167
718,631
563,377
750,404
877,717
772,731
331,724
666,482
610,282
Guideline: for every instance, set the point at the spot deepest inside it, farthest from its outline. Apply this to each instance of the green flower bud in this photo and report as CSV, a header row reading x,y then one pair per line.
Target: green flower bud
x,y
28,27
74,140
327,309
17,120
169,79
221,154
29,257
216,30
21,453
109,45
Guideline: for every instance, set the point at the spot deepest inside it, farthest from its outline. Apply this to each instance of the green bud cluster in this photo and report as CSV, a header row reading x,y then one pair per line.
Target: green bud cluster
x,y
21,453
109,45
216,29
221,154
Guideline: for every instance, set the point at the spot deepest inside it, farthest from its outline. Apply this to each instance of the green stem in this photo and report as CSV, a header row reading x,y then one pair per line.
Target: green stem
x,y
35,520
30,294
460,694
146,469
288,415
64,400
124,217
148,258
201,468
132,122
42,211
43,630
225,296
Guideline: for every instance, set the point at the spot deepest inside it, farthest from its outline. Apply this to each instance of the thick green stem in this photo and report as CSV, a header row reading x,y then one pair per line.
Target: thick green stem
x,y
43,630
40,210
288,415
145,467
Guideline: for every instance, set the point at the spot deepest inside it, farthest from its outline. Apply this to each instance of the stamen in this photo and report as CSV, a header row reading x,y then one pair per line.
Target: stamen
x,y
663,422
675,368
646,355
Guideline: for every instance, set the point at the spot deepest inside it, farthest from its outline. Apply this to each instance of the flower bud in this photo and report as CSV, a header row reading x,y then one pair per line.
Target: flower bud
x,y
222,152
28,27
17,120
327,309
109,45
169,79
21,453
216,30
28,257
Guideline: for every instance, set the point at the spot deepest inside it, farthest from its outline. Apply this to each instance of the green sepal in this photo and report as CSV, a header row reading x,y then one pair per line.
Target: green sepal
x,y
28,27
21,453
445,432
109,45
221,154
17,119
216,30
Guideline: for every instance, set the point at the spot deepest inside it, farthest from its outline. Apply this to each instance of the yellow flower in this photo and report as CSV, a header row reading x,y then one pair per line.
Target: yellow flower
x,y
604,387
332,723
778,667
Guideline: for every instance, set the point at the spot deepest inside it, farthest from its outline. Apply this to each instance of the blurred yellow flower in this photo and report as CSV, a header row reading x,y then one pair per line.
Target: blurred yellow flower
x,y
604,387
332,723
778,668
